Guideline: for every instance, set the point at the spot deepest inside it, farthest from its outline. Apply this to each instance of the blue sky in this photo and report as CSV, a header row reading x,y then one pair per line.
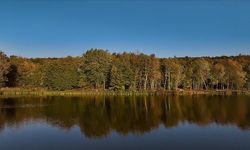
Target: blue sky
x,y
42,28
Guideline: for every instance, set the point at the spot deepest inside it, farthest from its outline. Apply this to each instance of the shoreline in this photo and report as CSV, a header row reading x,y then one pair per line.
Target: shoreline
x,y
78,92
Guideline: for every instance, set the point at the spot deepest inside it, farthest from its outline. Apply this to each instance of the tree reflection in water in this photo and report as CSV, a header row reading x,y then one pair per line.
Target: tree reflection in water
x,y
98,116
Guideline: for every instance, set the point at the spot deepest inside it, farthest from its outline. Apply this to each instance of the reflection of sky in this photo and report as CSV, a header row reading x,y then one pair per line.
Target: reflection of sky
x,y
42,136
59,28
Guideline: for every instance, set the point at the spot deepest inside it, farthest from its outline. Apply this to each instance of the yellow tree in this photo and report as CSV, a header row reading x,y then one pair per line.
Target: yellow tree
x,y
235,76
218,74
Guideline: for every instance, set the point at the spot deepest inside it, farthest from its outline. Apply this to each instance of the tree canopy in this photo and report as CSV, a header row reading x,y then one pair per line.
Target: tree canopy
x,y
99,69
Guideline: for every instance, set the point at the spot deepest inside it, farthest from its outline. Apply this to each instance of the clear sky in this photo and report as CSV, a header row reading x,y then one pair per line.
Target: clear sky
x,y
42,28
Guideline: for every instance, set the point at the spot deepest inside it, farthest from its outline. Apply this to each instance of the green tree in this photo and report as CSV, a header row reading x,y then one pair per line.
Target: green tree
x,y
116,79
121,74
95,66
4,68
61,74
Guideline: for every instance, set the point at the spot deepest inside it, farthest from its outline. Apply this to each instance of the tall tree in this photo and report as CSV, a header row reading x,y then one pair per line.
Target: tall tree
x,y
172,73
96,65
155,73
218,75
116,79
188,79
201,71
121,74
146,65
4,68
235,76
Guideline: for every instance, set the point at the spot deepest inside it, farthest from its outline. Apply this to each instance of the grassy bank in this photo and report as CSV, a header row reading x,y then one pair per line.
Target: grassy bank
x,y
44,92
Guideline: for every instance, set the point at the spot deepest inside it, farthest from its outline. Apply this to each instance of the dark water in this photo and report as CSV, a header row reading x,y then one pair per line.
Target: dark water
x,y
58,123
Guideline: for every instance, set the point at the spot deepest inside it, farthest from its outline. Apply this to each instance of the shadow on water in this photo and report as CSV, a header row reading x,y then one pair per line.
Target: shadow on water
x,y
98,116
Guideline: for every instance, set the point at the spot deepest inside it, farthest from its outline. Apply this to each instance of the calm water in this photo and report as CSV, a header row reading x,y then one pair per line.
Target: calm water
x,y
53,123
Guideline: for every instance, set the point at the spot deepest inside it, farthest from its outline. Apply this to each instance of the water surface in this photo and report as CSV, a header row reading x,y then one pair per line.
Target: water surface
x,y
120,122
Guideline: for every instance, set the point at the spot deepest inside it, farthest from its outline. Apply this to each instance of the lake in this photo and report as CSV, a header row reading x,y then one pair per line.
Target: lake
x,y
125,122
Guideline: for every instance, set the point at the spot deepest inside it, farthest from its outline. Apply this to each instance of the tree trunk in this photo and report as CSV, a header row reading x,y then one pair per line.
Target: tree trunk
x,y
204,82
104,85
165,80
169,80
95,85
145,82
175,85
152,85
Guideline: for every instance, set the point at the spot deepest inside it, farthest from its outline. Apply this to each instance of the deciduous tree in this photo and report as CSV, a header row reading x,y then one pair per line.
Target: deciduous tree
x,y
96,65
4,68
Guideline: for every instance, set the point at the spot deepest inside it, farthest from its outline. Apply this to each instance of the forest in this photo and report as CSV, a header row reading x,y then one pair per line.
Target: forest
x,y
99,69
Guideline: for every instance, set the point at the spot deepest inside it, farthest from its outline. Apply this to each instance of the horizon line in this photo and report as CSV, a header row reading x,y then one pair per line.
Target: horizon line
x,y
135,52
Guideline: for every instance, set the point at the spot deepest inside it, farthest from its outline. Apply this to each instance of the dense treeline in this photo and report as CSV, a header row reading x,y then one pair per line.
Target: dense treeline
x,y
99,69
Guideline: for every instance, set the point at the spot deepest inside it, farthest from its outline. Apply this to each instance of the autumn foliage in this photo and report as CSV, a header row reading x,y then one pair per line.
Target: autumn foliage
x,y
99,69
